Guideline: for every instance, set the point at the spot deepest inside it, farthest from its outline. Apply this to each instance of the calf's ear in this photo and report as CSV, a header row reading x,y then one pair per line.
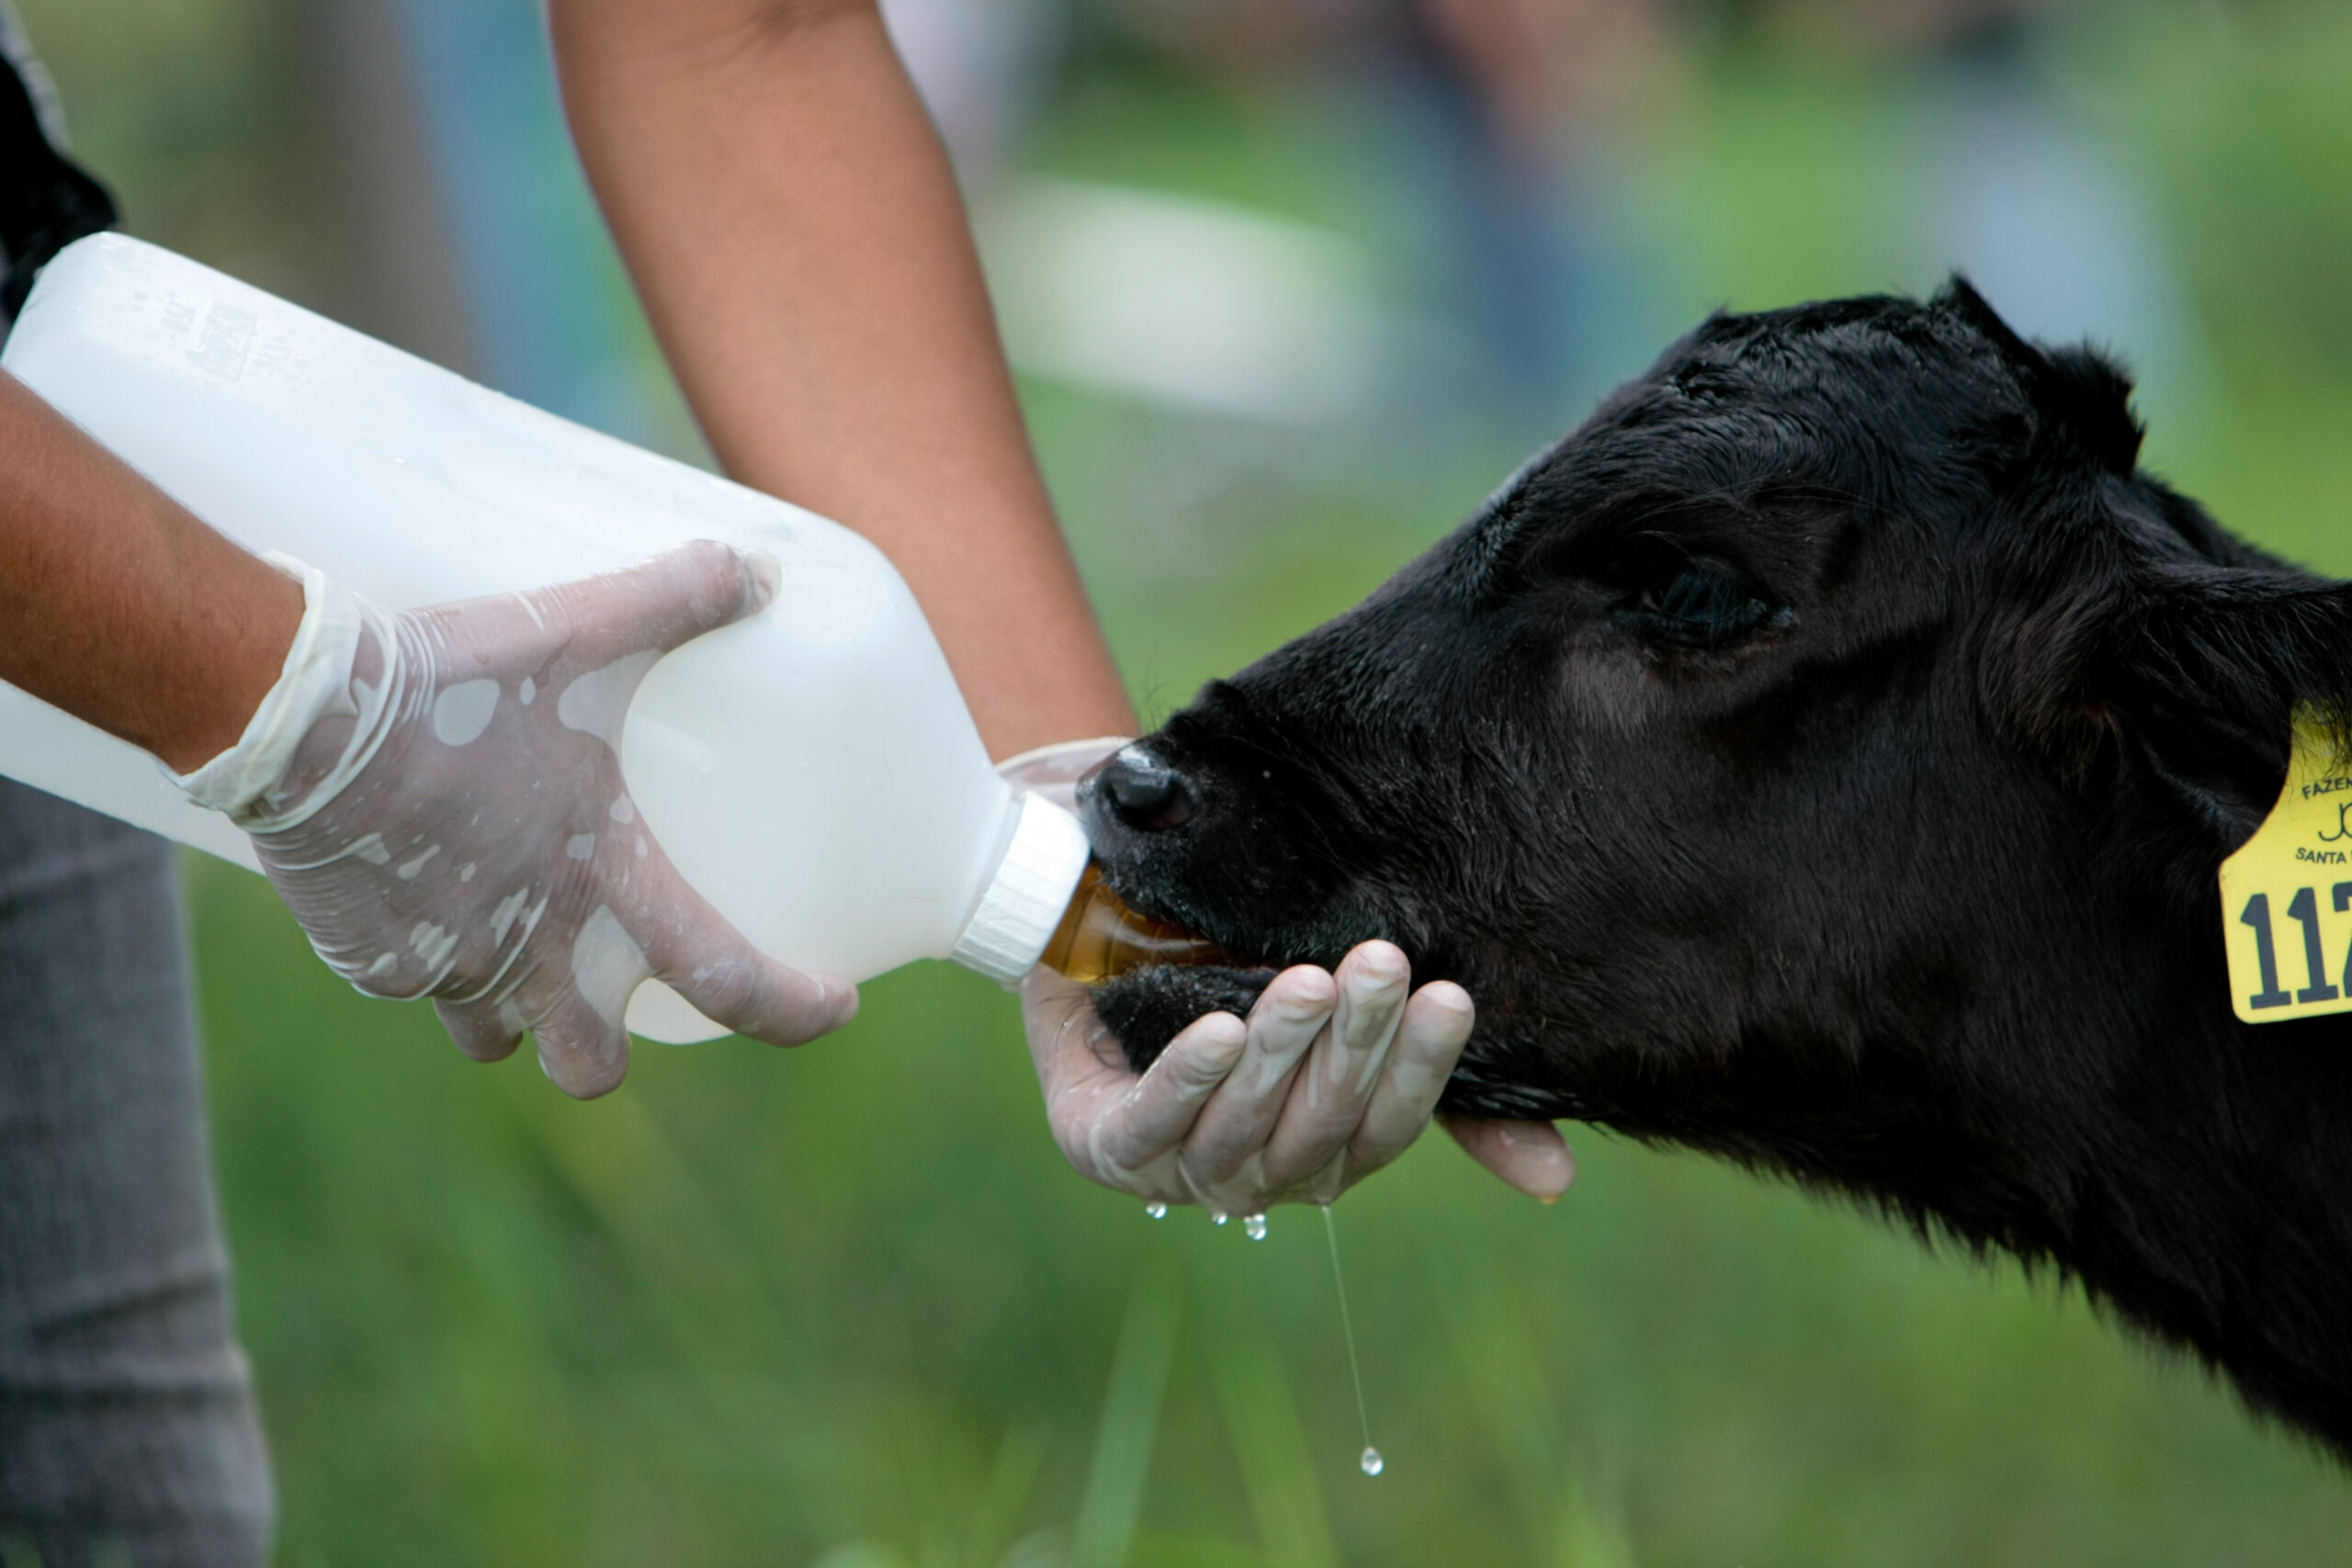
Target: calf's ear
x,y
2204,670
2143,633
2081,398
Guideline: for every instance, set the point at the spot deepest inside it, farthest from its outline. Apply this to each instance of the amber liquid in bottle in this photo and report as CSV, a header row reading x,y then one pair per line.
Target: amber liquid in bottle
x,y
1101,939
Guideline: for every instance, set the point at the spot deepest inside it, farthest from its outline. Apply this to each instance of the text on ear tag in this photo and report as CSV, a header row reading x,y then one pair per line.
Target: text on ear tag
x,y
2287,893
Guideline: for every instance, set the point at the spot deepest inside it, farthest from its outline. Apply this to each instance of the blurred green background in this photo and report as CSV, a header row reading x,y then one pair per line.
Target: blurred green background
x,y
845,1306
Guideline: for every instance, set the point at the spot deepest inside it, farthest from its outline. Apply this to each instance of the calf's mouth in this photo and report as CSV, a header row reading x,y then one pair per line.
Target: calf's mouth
x,y
1145,1008
1130,799
1136,813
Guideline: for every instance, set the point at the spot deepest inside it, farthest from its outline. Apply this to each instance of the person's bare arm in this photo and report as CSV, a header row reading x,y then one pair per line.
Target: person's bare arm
x,y
793,225
119,606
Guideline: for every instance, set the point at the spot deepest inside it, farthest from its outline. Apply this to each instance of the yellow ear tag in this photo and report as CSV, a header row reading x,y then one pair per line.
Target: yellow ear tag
x,y
2287,893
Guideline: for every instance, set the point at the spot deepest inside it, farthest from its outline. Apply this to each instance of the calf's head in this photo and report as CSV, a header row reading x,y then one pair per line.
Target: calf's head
x,y
1766,756
1822,757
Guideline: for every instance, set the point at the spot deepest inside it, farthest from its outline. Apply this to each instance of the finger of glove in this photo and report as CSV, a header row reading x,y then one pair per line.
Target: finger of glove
x,y
755,996
1530,1156
475,1029
715,966
662,604
1283,1025
1152,1118
582,1050
1334,1085
1429,1043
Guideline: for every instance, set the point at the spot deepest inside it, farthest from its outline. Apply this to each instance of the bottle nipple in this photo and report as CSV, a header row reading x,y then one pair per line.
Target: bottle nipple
x,y
1101,939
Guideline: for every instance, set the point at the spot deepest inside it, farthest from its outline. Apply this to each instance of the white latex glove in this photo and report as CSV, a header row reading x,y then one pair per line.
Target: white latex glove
x,y
437,796
1333,1076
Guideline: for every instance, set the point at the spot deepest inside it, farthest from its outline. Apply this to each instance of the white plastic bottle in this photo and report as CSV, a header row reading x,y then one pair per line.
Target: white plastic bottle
x,y
813,771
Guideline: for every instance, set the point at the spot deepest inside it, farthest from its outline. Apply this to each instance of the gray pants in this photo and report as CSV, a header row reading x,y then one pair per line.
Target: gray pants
x,y
128,1430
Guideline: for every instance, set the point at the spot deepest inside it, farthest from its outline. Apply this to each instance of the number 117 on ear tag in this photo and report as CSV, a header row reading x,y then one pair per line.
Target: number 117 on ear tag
x,y
2287,893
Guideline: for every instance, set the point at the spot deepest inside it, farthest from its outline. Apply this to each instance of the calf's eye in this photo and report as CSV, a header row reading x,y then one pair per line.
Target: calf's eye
x,y
1694,603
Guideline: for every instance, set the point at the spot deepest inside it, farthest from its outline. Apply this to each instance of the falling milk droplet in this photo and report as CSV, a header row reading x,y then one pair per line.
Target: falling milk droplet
x,y
1220,1219
1370,1460
1156,1211
1256,1225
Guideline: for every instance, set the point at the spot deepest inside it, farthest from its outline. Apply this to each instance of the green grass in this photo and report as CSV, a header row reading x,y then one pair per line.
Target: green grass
x,y
844,1305
758,1307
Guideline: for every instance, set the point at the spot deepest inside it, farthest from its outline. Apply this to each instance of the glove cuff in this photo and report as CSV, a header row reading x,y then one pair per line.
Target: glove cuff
x,y
315,681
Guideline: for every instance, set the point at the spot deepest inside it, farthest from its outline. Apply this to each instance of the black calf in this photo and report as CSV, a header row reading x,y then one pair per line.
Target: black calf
x,y
1822,757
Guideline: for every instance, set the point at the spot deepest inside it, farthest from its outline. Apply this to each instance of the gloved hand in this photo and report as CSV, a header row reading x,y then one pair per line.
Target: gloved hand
x,y
437,796
1333,1076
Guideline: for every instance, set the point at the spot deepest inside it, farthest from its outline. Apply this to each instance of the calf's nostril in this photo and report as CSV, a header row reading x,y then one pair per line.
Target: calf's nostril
x,y
1143,793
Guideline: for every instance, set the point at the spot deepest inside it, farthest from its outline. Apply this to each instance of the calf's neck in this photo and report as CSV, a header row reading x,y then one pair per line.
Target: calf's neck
x,y
1822,757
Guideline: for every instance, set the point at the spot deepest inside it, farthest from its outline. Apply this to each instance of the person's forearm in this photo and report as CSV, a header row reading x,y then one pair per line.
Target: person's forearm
x,y
119,606
792,223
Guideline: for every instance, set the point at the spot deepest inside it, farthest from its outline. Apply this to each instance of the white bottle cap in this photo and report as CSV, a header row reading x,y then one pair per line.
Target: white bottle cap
x,y
1026,902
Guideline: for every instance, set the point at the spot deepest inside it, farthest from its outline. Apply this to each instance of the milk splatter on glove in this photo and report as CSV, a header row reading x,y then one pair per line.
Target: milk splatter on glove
x,y
437,796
